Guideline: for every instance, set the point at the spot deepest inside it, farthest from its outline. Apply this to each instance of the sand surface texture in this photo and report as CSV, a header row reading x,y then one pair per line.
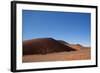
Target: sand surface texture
x,y
82,54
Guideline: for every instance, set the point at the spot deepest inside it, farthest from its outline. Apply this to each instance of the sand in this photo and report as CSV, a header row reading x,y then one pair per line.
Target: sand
x,y
82,54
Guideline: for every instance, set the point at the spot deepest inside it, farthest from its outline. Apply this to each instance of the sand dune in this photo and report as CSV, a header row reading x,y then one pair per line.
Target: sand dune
x,y
48,49
43,46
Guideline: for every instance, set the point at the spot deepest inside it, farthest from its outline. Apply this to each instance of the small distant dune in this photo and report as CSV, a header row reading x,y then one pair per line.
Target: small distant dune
x,y
76,46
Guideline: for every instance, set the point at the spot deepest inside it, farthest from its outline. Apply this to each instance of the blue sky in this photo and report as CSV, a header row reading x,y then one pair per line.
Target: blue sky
x,y
68,26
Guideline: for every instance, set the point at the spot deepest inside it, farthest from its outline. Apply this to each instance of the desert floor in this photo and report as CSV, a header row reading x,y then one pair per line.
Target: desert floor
x,y
82,54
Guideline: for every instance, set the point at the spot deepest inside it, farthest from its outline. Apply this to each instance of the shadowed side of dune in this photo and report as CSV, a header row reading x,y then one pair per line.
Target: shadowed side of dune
x,y
44,46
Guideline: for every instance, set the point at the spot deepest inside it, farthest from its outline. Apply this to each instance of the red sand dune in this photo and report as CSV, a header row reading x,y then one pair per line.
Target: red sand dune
x,y
44,46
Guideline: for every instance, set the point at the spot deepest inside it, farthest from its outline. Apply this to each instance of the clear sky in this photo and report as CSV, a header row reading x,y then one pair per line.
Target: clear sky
x,y
68,26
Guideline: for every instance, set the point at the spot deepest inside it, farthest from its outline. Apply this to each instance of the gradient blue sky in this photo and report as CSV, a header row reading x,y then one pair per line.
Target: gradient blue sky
x,y
68,26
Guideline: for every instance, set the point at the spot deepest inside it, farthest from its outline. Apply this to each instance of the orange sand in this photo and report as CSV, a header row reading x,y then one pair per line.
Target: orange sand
x,y
81,54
